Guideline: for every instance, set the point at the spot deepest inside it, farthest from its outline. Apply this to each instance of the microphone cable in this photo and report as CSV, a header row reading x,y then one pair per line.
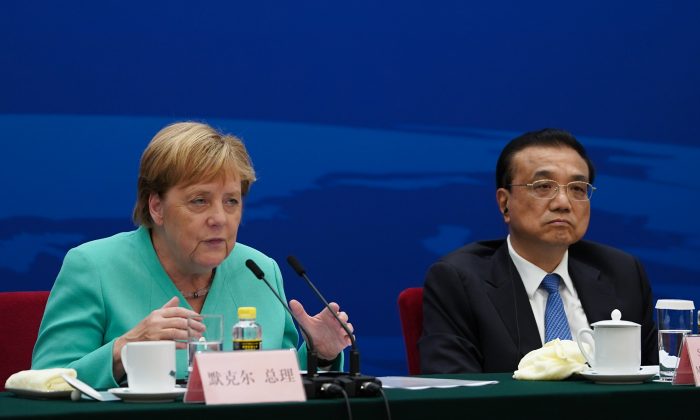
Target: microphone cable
x,y
374,388
335,389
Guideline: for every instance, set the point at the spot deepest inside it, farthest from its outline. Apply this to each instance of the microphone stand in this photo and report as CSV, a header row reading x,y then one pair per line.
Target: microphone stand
x,y
315,386
354,383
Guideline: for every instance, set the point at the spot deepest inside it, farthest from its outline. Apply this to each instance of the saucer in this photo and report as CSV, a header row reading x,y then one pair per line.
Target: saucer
x,y
645,373
132,396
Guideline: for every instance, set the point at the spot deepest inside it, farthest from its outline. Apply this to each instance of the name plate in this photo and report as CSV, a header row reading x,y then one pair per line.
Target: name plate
x,y
243,377
688,369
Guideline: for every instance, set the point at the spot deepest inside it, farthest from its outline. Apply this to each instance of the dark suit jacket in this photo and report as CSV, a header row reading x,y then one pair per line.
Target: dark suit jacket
x,y
477,317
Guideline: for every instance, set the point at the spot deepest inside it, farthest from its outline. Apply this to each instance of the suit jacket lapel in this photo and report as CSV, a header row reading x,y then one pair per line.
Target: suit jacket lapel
x,y
507,293
597,296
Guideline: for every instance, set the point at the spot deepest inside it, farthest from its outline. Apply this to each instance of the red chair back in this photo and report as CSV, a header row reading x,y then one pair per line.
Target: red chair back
x,y
23,312
411,314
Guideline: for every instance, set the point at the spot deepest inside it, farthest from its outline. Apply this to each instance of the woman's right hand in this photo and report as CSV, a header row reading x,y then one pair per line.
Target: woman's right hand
x,y
167,323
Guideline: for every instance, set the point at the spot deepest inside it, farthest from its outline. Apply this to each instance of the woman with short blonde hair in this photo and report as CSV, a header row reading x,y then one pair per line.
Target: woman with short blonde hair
x,y
182,260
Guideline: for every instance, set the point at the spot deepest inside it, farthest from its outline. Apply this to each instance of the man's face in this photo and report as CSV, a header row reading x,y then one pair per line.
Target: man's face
x,y
542,225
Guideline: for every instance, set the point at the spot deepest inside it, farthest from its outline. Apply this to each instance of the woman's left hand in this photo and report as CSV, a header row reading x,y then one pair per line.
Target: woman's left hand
x,y
328,336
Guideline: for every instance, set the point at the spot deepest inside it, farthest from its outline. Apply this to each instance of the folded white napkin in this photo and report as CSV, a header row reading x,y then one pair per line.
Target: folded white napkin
x,y
556,360
41,379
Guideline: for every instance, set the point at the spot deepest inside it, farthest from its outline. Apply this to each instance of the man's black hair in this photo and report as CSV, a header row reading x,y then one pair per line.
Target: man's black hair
x,y
548,137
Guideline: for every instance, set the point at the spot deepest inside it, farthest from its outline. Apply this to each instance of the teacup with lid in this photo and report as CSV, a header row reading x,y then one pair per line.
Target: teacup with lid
x,y
617,345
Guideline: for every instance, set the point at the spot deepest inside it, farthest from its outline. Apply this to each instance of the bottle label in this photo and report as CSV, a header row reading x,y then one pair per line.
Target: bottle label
x,y
247,344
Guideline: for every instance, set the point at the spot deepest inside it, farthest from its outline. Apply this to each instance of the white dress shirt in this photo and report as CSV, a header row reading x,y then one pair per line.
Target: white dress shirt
x,y
532,277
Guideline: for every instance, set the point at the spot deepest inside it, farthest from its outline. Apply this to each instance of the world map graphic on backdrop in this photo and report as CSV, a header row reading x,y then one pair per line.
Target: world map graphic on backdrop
x,y
366,211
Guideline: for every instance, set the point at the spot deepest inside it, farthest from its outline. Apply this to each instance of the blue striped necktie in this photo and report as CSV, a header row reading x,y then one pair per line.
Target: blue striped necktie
x,y
555,323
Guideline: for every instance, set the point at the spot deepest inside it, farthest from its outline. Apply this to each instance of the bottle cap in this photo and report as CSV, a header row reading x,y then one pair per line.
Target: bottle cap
x,y
247,312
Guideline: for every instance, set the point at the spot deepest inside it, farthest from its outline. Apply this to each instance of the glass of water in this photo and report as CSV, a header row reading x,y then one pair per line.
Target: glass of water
x,y
205,333
674,320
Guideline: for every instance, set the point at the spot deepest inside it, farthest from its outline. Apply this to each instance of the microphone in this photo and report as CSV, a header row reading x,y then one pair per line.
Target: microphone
x,y
354,354
313,383
354,383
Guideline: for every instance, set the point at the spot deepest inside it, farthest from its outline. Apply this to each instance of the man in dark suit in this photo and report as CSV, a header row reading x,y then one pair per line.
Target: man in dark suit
x,y
484,304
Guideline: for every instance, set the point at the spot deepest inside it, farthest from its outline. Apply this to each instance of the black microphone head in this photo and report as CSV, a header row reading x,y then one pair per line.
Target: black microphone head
x,y
296,265
255,269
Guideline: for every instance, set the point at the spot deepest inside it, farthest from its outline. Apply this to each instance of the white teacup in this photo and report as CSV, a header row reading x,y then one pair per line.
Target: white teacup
x,y
150,365
617,346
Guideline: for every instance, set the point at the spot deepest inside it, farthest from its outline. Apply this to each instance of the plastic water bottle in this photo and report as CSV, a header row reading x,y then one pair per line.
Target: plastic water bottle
x,y
247,334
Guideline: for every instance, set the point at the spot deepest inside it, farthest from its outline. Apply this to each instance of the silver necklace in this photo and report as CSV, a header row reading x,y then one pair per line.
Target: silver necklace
x,y
202,291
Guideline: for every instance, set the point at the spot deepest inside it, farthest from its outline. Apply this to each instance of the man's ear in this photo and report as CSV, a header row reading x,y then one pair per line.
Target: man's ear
x,y
155,208
502,197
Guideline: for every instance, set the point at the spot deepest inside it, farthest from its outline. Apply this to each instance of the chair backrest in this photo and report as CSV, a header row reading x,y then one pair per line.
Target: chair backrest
x,y
23,312
411,314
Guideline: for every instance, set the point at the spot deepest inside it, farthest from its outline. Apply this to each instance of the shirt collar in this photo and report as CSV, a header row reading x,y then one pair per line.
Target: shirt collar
x,y
532,275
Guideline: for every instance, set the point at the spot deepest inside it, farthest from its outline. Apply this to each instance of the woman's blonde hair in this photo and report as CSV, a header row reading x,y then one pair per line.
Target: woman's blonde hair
x,y
188,153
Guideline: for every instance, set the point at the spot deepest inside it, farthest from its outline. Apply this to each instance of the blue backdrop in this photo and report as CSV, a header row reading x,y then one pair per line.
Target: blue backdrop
x,y
374,128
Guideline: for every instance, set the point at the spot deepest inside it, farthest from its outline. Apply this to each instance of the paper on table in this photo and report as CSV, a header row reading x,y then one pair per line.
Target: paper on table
x,y
414,382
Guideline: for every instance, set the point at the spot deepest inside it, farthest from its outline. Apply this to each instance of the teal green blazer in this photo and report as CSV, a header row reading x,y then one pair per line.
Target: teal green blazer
x,y
105,287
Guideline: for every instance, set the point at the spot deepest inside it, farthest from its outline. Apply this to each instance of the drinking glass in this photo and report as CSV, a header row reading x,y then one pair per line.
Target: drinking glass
x,y
200,341
674,319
